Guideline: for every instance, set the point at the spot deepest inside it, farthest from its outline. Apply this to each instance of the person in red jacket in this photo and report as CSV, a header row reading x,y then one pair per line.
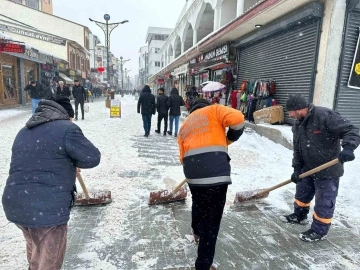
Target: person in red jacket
x,y
234,99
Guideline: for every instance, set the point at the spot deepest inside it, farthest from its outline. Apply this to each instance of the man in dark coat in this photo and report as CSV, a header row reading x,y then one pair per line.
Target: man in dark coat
x,y
39,191
62,90
80,97
175,101
162,109
36,93
146,103
317,134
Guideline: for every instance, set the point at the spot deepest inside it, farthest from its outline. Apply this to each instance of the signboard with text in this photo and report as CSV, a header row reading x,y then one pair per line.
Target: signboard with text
x,y
33,34
12,47
115,108
354,79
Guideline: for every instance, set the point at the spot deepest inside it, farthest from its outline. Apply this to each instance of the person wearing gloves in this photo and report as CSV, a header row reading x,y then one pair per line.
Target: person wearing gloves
x,y
318,134
203,144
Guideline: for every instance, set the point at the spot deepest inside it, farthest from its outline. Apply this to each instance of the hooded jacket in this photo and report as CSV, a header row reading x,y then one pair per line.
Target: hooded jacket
x,y
146,102
175,101
40,188
317,141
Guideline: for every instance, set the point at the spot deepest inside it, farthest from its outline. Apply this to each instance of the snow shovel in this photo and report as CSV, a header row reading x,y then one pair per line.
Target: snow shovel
x,y
179,193
98,197
245,196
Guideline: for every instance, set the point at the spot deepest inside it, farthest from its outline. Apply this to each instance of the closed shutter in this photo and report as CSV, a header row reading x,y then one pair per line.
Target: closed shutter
x,y
348,99
287,57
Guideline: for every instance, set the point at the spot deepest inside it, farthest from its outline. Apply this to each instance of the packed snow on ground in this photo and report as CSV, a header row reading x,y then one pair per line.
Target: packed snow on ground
x,y
256,163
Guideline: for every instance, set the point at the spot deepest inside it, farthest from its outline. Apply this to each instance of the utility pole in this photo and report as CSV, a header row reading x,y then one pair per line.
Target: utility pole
x,y
122,62
107,29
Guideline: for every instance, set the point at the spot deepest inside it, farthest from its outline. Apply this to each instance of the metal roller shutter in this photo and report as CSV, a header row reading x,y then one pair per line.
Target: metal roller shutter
x,y
287,57
348,99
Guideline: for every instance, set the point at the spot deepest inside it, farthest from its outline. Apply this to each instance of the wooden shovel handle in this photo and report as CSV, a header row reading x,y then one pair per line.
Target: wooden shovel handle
x,y
303,175
81,181
179,186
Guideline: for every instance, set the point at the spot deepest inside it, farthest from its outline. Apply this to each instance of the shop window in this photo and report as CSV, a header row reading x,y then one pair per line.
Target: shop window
x,y
9,82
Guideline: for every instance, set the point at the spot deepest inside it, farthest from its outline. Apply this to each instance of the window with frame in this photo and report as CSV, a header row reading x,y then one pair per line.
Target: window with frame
x,y
33,3
157,50
87,43
77,64
17,1
82,64
157,64
72,60
9,82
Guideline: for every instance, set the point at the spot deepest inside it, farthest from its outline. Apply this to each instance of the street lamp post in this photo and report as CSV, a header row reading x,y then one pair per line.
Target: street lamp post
x,y
122,62
107,28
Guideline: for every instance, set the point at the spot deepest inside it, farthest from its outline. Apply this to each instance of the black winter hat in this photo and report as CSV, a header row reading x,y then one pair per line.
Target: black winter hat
x,y
198,104
65,103
296,102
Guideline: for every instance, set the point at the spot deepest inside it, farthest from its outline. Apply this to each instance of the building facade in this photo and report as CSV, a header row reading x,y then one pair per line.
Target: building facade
x,y
43,5
143,67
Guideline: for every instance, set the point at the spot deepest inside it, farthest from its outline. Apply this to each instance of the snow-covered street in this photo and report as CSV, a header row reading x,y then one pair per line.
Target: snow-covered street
x,y
128,234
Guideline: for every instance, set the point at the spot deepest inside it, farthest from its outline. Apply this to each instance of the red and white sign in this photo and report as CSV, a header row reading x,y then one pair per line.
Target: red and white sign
x,y
12,47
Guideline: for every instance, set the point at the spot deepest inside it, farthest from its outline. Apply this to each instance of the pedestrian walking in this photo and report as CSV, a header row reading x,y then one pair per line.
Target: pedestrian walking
x,y
80,97
62,90
146,106
39,191
162,110
203,144
175,101
317,133
36,93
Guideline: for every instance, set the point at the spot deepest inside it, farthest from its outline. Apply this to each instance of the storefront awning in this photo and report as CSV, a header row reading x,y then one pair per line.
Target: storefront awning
x,y
66,78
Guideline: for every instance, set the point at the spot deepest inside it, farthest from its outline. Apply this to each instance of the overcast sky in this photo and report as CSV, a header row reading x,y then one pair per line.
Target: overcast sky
x,y
126,39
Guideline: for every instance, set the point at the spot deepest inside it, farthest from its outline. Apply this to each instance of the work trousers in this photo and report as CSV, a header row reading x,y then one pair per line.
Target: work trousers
x,y
45,247
207,209
325,192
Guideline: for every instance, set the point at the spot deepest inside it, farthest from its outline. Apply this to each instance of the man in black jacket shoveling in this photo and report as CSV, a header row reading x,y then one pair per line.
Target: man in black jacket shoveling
x,y
162,110
39,191
317,134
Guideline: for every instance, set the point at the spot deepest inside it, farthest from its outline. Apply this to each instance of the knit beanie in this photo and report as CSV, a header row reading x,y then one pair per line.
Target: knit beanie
x,y
65,103
296,102
198,104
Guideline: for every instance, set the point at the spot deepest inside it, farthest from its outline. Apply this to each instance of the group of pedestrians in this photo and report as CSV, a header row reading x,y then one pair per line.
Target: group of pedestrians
x,y
37,93
166,106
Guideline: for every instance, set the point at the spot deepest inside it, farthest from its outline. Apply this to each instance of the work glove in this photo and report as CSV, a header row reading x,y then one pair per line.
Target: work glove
x,y
295,177
346,155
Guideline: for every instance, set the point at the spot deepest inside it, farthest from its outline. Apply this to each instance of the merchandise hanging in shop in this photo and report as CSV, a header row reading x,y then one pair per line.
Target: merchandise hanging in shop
x,y
354,79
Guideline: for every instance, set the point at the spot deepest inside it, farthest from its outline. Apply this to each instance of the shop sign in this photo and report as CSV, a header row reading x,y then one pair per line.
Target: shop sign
x,y
33,34
32,53
61,66
181,70
115,109
12,47
354,79
72,72
221,51
48,74
160,81
83,75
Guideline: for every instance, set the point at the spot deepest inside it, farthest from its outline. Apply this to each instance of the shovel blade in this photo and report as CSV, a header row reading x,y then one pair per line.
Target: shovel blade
x,y
250,195
166,196
98,197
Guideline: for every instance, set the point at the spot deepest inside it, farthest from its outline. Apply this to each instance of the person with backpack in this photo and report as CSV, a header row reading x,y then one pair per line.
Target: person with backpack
x,y
175,101
162,110
203,144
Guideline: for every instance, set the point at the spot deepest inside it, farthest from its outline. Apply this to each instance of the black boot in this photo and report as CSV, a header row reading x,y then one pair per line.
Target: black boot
x,y
295,219
164,133
157,131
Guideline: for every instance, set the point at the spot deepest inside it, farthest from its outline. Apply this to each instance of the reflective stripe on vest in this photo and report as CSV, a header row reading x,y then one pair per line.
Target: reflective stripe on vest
x,y
206,149
237,127
210,180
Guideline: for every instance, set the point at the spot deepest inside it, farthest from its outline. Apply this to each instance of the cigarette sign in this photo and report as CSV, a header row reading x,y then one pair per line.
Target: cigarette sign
x,y
12,48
